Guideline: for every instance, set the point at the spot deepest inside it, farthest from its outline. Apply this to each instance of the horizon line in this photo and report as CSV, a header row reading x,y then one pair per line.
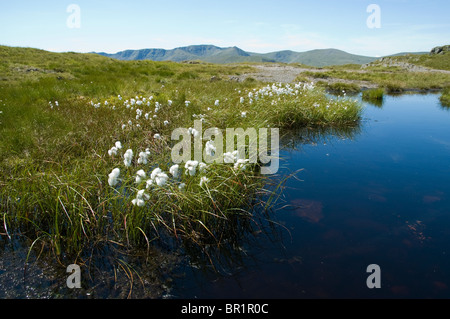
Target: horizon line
x,y
217,46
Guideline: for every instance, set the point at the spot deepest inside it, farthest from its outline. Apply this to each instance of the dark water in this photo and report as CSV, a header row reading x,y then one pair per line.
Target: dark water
x,y
378,195
375,194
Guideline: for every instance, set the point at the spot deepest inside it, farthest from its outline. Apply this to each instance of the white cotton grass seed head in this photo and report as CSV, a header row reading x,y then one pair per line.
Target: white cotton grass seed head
x,y
241,164
158,177
174,170
210,148
128,157
140,199
113,177
142,195
112,151
235,154
191,167
140,176
143,158
202,167
138,202
194,132
161,179
229,158
203,180
155,172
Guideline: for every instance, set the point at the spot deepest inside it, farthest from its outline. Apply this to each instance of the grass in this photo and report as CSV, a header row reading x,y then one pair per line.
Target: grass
x,y
392,80
62,112
445,97
438,62
373,95
388,74
341,87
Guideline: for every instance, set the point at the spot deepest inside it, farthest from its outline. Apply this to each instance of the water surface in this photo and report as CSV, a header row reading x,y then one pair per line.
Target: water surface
x,y
377,196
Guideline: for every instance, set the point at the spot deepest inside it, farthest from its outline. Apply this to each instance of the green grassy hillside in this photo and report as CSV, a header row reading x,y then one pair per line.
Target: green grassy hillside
x,y
394,73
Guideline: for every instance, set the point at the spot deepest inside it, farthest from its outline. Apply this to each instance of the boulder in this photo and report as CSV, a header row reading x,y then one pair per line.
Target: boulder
x,y
440,50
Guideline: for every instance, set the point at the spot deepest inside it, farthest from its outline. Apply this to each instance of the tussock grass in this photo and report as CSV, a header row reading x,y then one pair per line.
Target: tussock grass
x,y
445,97
373,95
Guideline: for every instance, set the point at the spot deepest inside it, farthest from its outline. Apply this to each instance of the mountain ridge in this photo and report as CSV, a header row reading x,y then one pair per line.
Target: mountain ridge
x,y
220,55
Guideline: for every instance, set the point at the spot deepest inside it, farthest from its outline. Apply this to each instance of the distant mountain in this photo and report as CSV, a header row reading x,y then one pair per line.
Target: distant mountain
x,y
214,54
319,58
408,53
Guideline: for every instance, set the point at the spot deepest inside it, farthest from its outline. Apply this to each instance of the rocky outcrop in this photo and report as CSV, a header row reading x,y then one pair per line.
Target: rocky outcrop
x,y
440,50
388,62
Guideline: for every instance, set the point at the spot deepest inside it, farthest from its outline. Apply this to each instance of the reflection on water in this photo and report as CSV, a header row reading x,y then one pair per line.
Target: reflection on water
x,y
376,102
296,139
375,193
310,210
107,271
110,270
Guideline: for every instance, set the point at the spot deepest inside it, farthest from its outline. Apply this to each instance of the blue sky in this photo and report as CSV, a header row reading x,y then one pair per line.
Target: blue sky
x,y
257,26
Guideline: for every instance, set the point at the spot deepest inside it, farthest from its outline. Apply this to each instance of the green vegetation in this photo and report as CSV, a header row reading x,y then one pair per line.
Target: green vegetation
x,y
65,181
373,94
445,97
341,87
392,81
394,74
438,62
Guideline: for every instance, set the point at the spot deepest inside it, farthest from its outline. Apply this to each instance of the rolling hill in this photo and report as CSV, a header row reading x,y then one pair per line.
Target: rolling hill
x,y
214,54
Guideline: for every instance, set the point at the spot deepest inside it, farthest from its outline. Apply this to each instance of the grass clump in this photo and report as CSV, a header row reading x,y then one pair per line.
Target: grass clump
x,y
373,94
445,97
